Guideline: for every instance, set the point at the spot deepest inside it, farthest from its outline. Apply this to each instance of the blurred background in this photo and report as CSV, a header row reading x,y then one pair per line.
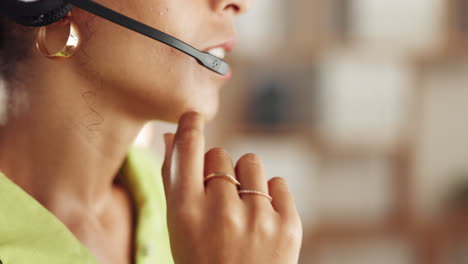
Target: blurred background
x,y
362,105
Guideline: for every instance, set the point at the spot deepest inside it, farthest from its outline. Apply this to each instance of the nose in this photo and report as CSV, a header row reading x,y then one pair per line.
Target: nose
x,y
236,6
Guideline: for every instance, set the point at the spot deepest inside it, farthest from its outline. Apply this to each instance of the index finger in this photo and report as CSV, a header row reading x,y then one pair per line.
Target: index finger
x,y
188,156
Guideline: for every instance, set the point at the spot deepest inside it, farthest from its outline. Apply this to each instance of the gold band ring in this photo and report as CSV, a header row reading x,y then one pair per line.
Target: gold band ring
x,y
266,195
72,45
222,175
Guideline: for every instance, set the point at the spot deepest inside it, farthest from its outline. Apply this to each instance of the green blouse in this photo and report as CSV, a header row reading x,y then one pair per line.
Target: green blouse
x,y
29,233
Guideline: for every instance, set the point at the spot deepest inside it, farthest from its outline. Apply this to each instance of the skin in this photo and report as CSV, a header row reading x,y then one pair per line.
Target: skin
x,y
70,124
212,223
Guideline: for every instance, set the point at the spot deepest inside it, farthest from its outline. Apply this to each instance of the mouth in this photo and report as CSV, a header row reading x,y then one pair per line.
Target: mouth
x,y
220,50
217,52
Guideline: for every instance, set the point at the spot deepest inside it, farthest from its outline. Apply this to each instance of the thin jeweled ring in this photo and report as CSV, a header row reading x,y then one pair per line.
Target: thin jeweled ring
x,y
72,45
254,192
223,175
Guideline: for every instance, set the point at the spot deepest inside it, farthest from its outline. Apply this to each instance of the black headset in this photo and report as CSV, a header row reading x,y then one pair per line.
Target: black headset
x,y
37,13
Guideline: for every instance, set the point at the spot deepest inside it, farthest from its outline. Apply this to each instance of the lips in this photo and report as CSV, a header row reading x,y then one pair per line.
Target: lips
x,y
218,52
221,49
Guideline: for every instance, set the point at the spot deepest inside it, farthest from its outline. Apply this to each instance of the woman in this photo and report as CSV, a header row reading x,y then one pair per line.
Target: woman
x,y
72,188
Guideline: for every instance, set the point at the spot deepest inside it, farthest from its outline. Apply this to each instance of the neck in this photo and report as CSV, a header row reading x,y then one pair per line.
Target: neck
x,y
65,138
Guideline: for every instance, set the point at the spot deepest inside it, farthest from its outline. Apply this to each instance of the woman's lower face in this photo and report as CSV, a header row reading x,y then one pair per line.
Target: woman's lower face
x,y
156,79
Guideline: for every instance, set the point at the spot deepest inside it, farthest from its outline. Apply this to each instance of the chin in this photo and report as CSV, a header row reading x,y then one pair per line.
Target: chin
x,y
209,115
206,103
207,110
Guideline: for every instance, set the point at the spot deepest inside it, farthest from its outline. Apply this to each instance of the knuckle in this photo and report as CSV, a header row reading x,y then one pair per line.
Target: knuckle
x,y
250,159
265,228
292,232
187,214
232,222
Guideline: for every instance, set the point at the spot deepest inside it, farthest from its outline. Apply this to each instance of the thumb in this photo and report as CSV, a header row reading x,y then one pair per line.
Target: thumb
x,y
166,168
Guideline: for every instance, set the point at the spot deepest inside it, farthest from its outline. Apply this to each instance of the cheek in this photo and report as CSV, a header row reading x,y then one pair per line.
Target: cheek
x,y
159,81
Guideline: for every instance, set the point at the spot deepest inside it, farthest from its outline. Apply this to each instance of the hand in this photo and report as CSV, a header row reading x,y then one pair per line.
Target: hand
x,y
211,223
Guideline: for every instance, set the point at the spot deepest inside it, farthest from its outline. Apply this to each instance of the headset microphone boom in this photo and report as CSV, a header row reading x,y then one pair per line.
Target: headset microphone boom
x,y
44,12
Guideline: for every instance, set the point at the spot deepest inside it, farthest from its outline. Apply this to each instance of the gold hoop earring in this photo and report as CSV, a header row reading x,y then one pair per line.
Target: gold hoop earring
x,y
70,48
